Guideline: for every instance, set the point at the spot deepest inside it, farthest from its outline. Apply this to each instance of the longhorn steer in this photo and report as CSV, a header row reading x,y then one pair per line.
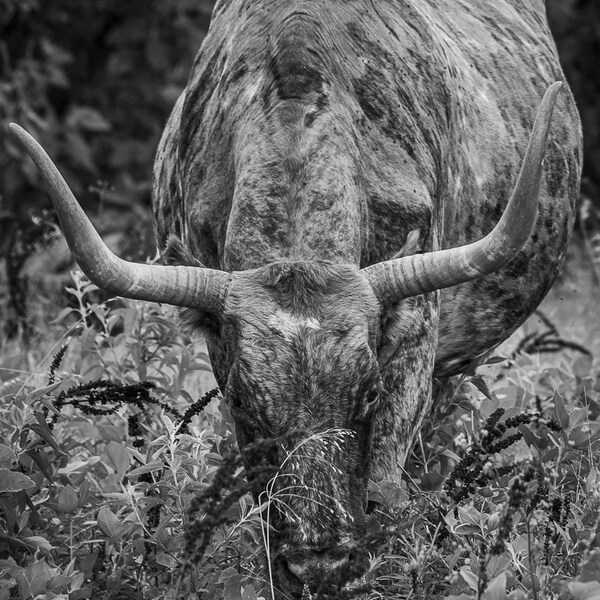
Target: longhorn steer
x,y
311,139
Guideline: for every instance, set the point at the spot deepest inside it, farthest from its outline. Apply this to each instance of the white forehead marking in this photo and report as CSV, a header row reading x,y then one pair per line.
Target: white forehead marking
x,y
291,325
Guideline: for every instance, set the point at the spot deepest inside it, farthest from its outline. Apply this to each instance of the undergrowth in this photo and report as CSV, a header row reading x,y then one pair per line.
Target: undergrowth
x,y
120,478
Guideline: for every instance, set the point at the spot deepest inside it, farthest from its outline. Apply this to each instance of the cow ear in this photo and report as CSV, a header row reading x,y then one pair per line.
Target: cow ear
x,y
190,319
401,326
176,254
411,246
193,320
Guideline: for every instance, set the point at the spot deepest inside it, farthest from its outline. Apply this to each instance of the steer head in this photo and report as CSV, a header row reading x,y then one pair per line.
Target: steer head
x,y
299,343
295,350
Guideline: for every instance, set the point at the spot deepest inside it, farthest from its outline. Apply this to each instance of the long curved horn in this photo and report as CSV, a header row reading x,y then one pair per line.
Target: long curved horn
x,y
192,287
400,278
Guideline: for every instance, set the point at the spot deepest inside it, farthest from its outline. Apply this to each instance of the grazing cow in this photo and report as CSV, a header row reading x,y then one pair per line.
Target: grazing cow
x,y
312,138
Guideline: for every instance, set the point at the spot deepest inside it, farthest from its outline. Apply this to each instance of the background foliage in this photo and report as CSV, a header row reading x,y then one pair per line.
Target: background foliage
x,y
576,28
94,82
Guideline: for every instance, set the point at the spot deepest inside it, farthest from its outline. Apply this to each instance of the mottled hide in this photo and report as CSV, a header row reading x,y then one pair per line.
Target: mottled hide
x,y
312,138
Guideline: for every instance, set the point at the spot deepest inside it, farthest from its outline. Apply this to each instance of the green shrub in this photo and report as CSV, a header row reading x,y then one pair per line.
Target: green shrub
x,y
100,463
518,513
120,478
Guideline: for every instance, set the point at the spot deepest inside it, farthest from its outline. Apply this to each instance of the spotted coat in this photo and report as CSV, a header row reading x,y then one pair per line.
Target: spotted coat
x,y
312,138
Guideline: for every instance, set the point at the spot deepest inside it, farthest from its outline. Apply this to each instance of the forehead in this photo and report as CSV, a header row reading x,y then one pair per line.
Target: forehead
x,y
290,326
291,309
300,295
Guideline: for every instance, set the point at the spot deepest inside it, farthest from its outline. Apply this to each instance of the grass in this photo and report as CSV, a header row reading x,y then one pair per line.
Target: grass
x,y
119,478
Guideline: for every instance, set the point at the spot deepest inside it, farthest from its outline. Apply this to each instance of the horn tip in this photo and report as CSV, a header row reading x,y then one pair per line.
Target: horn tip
x,y
20,133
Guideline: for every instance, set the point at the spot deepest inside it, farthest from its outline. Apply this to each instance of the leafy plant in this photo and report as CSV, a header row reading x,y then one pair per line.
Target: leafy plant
x,y
518,513
98,474
119,478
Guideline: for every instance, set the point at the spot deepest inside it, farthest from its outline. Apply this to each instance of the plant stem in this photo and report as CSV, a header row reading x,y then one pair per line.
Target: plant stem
x,y
530,560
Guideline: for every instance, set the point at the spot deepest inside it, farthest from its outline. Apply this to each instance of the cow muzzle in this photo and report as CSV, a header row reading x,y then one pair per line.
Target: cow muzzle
x,y
315,568
316,565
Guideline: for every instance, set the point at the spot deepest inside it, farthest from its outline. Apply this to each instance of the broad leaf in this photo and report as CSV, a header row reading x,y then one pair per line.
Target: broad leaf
x,y
37,541
589,590
469,577
479,382
11,481
233,587
118,457
496,589
35,395
108,521
7,456
560,412
154,465
590,571
34,579
68,499
166,560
